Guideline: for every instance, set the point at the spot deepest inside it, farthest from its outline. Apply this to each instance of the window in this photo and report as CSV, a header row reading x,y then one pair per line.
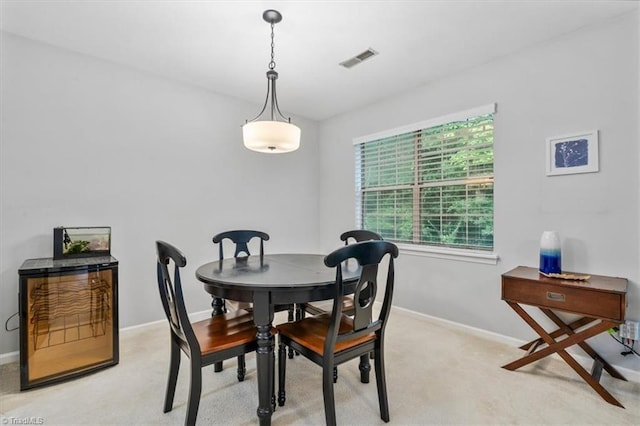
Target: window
x,y
430,183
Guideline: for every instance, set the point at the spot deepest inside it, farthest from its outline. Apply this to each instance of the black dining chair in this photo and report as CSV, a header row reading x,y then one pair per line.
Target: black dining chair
x,y
331,339
204,342
241,239
318,308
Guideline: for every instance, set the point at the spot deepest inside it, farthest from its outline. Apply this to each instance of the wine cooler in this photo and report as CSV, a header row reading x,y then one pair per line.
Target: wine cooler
x,y
68,318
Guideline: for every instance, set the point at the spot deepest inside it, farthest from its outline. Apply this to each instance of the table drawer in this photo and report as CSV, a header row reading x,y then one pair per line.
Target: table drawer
x,y
583,301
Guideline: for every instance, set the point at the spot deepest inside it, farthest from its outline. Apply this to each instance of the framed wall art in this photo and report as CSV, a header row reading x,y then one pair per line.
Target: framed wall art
x,y
570,154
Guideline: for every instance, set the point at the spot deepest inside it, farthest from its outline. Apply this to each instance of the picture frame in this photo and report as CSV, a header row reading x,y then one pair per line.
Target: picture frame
x,y
571,154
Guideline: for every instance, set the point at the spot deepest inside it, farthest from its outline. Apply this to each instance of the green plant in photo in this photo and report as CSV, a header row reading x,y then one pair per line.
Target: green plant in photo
x,y
78,247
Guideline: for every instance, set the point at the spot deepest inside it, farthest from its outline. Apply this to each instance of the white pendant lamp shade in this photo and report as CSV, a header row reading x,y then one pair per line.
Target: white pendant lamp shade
x,y
273,137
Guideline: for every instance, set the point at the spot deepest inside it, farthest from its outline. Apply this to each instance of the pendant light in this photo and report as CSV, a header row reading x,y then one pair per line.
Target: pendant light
x,y
271,135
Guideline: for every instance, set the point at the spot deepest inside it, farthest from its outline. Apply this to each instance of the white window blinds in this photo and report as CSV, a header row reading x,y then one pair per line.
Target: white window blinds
x,y
430,183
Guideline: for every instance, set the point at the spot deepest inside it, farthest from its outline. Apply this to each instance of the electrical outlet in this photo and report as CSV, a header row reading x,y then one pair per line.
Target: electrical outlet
x,y
629,330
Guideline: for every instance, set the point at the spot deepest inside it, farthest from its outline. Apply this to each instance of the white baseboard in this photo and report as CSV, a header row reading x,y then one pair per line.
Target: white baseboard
x,y
9,357
473,330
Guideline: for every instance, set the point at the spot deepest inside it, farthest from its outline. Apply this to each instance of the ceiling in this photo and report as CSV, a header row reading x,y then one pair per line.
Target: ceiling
x,y
224,46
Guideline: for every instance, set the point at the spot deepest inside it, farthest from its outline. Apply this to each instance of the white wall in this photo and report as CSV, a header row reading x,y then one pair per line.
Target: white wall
x,y
82,142
585,80
85,142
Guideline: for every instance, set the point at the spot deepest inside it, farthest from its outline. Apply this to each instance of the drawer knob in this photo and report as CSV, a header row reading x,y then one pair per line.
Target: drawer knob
x,y
558,297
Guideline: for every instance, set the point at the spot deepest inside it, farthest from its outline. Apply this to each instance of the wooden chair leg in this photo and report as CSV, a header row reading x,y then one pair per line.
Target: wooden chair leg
x,y
219,307
242,368
381,383
327,392
174,367
290,317
290,313
299,316
299,312
365,368
282,370
195,389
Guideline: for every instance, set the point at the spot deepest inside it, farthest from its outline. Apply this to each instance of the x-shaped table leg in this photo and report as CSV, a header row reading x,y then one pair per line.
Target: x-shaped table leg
x,y
574,326
560,346
568,330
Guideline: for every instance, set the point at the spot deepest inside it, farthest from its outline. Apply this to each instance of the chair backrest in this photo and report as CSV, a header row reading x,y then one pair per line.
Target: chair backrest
x,y
359,235
241,238
369,255
170,258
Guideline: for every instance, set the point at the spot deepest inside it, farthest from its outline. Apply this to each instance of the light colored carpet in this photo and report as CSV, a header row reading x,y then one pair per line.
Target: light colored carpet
x,y
437,374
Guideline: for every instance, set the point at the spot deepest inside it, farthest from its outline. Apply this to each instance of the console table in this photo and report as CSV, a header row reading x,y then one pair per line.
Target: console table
x,y
600,302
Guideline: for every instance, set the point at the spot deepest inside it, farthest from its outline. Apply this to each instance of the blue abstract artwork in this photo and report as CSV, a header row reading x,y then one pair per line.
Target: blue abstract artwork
x,y
573,153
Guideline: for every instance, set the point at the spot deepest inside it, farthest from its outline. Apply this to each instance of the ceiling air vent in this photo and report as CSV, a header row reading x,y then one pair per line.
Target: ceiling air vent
x,y
351,62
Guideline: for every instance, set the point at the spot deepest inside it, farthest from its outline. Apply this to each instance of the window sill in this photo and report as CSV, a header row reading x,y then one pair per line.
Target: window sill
x,y
487,258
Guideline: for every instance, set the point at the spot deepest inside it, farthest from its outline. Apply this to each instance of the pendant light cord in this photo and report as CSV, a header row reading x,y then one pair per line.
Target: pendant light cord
x,y
272,64
272,75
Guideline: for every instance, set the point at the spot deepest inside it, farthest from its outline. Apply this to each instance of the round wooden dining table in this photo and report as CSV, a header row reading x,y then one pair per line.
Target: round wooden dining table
x,y
275,279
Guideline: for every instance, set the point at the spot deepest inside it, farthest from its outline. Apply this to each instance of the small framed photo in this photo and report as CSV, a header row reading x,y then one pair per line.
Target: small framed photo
x,y
577,153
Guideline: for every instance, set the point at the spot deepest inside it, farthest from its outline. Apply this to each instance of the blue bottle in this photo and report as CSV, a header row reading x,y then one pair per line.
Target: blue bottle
x,y
550,253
